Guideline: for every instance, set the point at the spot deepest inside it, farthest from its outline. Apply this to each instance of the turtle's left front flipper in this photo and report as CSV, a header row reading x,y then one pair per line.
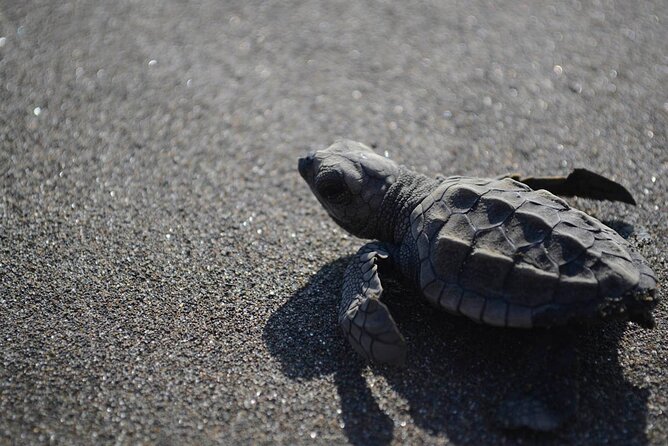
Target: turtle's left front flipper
x,y
365,320
580,183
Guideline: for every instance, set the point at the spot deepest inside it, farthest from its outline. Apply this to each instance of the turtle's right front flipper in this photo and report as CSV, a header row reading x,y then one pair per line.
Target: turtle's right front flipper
x,y
580,183
365,320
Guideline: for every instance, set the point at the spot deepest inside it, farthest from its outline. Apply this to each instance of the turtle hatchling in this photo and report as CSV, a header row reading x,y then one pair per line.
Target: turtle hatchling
x,y
500,251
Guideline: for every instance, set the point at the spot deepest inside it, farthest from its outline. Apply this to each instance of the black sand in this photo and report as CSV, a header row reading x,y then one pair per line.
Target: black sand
x,y
166,276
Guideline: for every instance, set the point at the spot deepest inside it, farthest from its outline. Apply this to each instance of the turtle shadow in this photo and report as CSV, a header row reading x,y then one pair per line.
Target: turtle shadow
x,y
460,373
456,375
303,334
621,227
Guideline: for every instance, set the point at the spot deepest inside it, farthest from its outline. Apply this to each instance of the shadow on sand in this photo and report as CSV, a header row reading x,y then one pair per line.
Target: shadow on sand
x,y
457,372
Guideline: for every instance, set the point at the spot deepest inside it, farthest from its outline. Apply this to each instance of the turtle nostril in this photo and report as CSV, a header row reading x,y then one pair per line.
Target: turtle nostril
x,y
305,163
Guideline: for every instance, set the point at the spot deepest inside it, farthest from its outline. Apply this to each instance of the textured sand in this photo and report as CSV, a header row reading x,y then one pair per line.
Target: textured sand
x,y
166,276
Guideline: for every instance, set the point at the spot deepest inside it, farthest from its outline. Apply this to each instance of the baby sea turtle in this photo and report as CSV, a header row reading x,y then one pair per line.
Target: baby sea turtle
x,y
499,251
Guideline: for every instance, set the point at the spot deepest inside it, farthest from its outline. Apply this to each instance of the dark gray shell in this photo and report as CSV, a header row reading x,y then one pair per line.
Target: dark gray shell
x,y
505,255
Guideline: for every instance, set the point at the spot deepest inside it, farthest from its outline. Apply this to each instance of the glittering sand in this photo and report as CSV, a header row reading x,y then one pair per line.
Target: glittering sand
x,y
166,277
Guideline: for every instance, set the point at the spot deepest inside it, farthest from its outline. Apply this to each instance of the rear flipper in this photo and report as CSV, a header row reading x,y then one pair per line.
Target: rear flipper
x,y
365,320
645,298
580,183
544,393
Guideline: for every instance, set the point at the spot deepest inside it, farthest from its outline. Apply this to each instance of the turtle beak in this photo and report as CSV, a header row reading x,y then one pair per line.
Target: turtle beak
x,y
305,164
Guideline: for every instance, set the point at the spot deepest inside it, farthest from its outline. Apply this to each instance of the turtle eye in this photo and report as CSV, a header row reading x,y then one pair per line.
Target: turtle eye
x,y
333,190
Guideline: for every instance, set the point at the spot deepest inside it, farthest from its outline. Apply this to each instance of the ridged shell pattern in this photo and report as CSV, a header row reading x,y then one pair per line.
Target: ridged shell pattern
x,y
500,253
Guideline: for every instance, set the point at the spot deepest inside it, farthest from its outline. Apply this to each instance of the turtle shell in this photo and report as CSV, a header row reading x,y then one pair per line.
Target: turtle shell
x,y
505,255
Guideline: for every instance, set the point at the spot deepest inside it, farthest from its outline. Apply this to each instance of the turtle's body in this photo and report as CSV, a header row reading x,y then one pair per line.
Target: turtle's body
x,y
499,253
493,250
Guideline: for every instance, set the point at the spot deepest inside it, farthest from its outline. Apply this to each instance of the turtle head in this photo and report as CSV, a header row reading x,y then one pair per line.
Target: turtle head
x,y
350,180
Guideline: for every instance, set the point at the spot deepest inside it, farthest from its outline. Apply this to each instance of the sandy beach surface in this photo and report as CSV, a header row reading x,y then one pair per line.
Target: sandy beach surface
x,y
166,277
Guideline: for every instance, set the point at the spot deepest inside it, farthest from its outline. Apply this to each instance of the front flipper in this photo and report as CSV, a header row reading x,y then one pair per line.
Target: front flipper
x,y
580,183
365,320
